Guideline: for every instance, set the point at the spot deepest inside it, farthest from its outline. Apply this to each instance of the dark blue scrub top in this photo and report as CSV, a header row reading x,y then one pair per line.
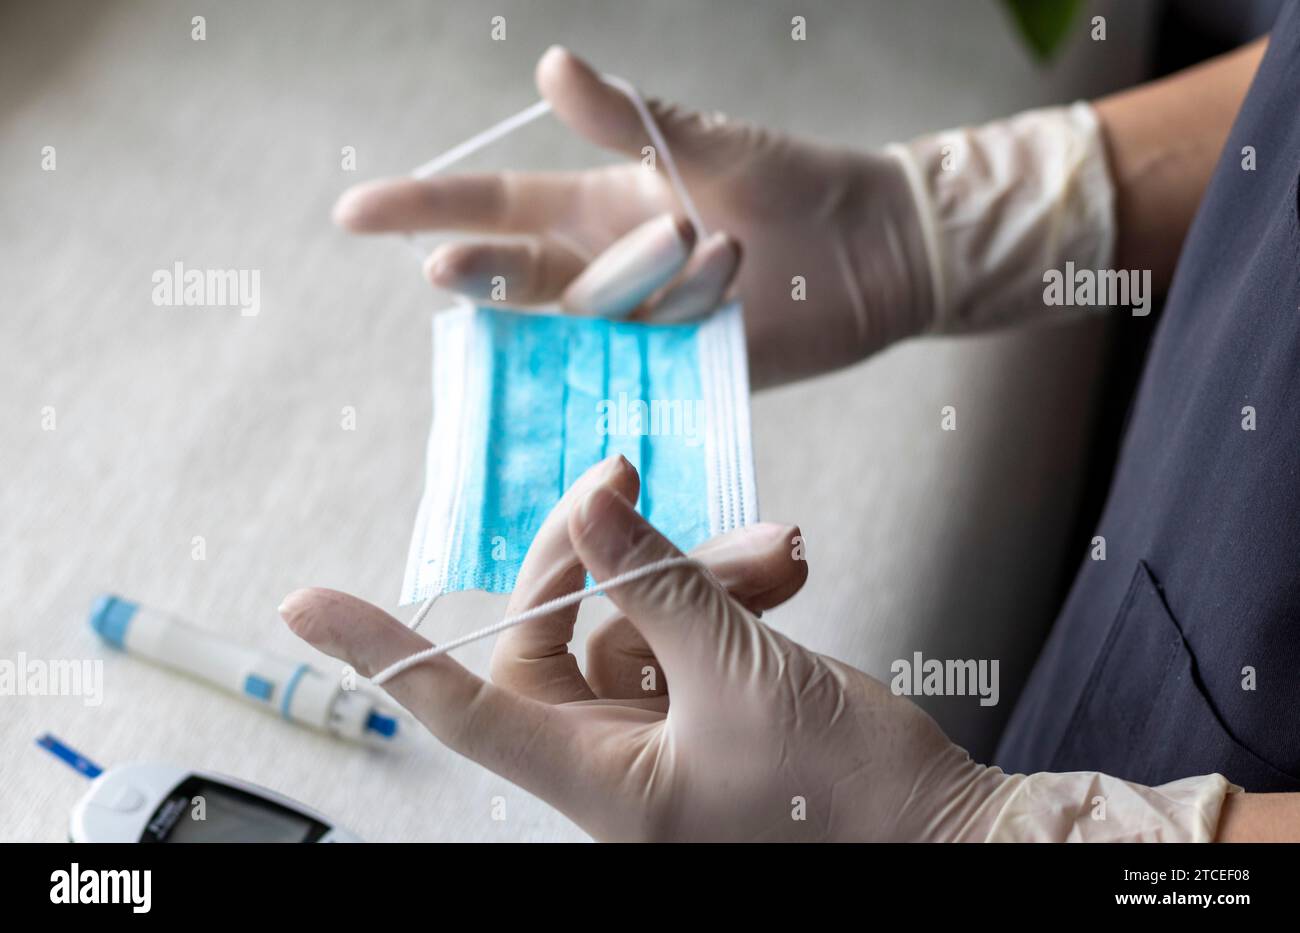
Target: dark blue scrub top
x,y
1179,654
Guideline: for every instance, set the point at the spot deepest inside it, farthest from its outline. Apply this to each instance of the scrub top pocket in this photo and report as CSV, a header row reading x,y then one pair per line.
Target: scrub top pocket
x,y
1144,699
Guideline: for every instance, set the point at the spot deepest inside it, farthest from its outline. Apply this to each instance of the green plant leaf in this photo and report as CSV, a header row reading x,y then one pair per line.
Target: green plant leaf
x,y
1043,23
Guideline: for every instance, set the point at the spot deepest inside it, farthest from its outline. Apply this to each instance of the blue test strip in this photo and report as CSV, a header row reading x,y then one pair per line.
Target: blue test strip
x,y
70,757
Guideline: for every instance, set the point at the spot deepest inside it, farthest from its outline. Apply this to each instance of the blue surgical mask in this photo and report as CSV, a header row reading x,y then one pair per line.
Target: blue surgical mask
x,y
525,403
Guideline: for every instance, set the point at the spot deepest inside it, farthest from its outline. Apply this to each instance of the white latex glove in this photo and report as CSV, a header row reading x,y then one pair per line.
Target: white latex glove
x,y
846,251
842,222
763,740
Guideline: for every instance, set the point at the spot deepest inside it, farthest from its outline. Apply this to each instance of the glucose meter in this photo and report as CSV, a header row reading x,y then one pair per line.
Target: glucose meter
x,y
156,802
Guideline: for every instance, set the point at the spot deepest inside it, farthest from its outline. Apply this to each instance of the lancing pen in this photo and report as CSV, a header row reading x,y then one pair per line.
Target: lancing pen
x,y
295,691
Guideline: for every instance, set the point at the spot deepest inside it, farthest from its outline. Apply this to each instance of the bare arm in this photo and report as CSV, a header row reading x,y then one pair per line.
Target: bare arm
x,y
1163,140
1259,818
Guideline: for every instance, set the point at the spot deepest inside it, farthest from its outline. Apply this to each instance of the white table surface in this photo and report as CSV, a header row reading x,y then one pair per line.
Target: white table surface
x,y
181,422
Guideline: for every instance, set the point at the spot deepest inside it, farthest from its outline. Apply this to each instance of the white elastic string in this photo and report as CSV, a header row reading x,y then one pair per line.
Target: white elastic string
x,y
485,138
543,107
423,612
628,90
473,145
543,609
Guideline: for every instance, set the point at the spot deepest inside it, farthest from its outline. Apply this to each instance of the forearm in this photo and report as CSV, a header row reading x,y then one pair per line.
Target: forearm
x,y
1162,142
1259,818
1111,186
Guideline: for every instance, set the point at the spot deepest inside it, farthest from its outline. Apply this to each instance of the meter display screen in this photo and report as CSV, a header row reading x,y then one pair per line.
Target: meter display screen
x,y
200,810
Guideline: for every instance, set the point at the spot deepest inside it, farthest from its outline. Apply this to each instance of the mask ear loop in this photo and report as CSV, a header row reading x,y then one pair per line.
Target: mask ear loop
x,y
437,165
482,140
544,609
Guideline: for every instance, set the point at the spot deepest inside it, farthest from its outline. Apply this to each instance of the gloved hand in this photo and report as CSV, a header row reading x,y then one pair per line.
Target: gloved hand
x,y
844,222
762,739
846,251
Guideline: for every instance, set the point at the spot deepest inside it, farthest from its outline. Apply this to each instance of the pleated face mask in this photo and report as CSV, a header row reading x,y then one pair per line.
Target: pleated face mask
x,y
524,403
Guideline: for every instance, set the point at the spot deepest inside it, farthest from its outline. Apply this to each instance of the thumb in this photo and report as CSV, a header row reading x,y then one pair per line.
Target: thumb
x,y
603,115
690,622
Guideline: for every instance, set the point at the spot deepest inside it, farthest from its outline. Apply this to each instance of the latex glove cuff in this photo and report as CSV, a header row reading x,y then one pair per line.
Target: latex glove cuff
x,y
1084,806
998,205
